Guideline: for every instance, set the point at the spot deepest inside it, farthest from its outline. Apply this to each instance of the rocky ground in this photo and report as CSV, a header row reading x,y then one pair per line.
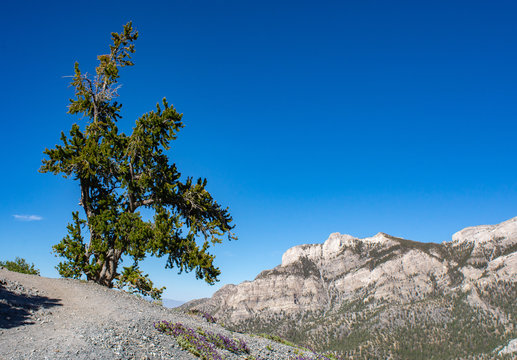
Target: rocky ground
x,y
43,318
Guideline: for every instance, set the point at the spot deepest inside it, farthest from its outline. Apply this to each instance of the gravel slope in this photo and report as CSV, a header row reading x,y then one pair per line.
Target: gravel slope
x,y
43,318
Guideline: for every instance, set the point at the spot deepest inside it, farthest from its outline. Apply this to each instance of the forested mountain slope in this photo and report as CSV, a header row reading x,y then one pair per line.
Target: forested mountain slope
x,y
382,295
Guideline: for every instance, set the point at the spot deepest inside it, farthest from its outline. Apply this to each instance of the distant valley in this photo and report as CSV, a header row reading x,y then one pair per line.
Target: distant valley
x,y
171,303
384,296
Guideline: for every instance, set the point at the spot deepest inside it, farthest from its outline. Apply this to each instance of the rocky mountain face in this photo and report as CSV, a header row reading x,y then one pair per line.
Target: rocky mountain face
x,y
385,297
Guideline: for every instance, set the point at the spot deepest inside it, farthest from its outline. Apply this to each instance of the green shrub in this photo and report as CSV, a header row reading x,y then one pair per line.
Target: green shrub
x,y
20,265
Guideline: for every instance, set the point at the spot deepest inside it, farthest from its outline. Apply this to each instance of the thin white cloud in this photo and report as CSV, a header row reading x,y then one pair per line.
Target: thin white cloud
x,y
28,217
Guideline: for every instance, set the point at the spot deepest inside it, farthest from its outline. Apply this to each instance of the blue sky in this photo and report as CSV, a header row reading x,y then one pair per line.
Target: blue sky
x,y
306,117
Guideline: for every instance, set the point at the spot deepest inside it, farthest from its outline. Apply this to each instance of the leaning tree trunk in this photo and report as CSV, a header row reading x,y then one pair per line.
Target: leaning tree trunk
x,y
108,270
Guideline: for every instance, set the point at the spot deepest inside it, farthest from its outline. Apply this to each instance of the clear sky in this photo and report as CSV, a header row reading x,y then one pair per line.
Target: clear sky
x,y
306,117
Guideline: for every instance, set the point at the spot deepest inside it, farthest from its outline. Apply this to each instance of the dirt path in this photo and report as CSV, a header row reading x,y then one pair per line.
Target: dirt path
x,y
80,301
43,318
60,318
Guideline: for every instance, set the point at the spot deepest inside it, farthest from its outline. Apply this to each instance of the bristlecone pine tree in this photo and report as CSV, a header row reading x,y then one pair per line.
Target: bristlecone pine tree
x,y
120,174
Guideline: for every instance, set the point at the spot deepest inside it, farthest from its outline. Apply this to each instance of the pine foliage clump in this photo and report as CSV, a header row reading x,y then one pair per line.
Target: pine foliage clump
x,y
20,265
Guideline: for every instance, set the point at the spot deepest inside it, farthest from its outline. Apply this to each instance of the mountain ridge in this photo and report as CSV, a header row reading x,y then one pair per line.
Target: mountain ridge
x,y
326,295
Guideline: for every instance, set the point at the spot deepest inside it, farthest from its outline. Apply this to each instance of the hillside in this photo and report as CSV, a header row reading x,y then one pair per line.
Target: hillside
x,y
43,318
384,296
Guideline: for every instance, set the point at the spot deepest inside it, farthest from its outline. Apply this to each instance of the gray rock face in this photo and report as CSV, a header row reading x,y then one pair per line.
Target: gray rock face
x,y
510,348
333,283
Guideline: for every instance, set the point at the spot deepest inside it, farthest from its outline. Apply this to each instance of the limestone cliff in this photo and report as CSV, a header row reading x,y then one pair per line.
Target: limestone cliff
x,y
327,294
